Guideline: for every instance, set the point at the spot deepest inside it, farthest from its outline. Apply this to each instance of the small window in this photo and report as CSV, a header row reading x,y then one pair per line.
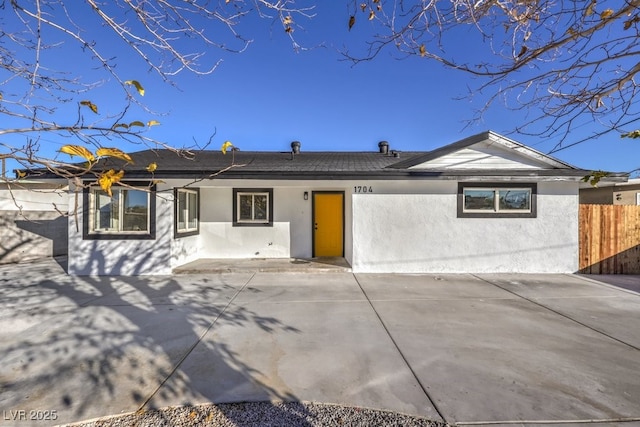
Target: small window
x,y
253,207
127,213
187,212
510,200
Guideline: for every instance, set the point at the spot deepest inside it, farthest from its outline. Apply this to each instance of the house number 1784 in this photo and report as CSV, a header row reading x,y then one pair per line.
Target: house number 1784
x,y
363,189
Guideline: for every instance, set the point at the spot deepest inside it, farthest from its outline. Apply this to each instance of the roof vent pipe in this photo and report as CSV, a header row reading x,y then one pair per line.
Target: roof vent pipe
x,y
384,147
295,147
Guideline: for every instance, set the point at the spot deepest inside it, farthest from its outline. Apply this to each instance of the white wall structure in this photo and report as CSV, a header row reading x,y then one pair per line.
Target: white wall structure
x,y
415,233
32,222
123,257
396,226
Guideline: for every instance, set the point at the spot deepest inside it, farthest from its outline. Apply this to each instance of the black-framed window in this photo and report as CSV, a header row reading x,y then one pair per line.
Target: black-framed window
x,y
252,206
186,211
497,200
129,213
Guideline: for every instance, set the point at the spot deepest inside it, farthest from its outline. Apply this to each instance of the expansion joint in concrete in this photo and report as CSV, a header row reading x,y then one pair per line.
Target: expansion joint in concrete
x,y
395,344
195,344
558,313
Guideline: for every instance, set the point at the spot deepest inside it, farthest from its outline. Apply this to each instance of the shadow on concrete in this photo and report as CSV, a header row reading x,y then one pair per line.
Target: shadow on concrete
x,y
87,347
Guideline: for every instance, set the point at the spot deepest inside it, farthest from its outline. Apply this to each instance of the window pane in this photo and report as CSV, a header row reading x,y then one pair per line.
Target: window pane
x,y
106,211
260,207
245,207
182,207
479,199
135,210
516,199
192,210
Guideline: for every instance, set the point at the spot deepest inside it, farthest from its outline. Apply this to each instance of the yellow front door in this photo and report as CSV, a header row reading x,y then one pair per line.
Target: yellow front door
x,y
328,224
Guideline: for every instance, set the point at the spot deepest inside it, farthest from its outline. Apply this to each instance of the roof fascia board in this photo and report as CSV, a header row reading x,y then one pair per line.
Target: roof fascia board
x,y
439,152
528,151
506,175
491,137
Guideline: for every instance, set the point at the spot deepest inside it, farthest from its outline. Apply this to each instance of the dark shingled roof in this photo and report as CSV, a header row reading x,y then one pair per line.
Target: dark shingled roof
x,y
252,163
305,165
312,165
324,165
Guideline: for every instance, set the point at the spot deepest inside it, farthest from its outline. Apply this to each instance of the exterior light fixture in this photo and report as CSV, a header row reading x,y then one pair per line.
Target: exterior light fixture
x,y
306,195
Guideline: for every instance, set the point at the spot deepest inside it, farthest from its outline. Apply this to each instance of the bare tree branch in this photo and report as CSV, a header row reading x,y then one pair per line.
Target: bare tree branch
x,y
37,100
571,61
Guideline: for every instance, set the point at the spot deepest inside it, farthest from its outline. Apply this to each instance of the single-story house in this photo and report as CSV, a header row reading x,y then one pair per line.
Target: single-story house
x,y
483,204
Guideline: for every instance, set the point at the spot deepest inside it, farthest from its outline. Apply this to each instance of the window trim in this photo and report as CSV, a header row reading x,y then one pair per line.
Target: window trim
x,y
88,210
236,200
189,231
497,186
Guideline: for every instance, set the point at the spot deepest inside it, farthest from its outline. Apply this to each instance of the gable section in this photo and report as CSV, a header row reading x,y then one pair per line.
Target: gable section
x,y
485,151
483,155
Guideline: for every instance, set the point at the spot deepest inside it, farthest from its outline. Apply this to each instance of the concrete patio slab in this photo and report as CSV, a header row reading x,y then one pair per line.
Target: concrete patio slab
x,y
629,282
293,287
94,346
490,348
190,290
549,285
427,286
264,265
509,360
610,310
332,352
95,361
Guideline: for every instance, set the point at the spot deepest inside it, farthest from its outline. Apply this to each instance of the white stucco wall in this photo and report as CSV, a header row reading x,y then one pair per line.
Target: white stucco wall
x,y
123,257
290,235
396,226
223,240
421,233
39,196
185,250
220,239
32,221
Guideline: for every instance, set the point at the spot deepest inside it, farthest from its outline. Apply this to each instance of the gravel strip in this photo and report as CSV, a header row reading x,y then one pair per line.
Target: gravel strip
x,y
263,414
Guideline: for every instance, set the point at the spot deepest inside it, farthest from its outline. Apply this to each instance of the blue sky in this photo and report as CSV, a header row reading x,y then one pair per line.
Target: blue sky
x,y
270,95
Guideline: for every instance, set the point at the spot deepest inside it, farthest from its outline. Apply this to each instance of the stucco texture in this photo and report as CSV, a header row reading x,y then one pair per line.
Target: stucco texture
x,y
123,257
421,233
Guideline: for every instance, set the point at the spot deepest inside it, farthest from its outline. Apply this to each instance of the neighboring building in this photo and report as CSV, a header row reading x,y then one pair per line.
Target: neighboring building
x,y
483,204
33,221
611,193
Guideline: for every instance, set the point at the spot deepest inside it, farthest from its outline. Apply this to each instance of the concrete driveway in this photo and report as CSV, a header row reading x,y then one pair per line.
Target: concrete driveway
x,y
467,349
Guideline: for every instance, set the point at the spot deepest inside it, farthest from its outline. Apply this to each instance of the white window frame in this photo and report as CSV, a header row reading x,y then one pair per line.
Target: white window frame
x,y
187,211
253,219
92,231
238,193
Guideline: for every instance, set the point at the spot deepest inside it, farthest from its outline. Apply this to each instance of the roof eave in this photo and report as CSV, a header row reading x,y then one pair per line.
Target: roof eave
x,y
521,175
474,139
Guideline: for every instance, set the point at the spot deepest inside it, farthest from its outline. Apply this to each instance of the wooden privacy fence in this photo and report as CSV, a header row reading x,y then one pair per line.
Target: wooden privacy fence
x,y
609,239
